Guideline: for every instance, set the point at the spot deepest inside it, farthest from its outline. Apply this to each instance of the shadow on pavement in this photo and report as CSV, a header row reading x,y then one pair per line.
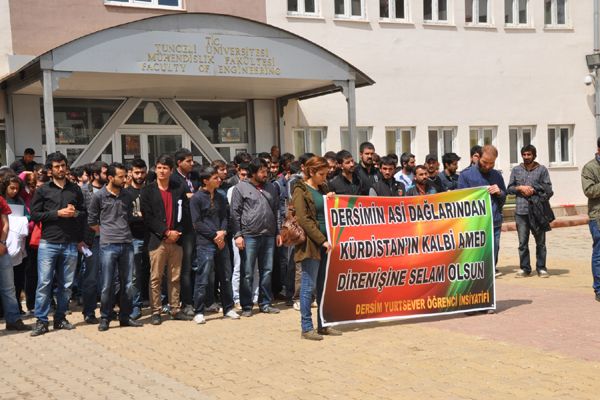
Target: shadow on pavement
x,y
501,306
509,270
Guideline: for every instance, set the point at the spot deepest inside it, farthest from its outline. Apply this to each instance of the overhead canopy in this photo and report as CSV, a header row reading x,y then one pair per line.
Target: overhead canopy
x,y
189,55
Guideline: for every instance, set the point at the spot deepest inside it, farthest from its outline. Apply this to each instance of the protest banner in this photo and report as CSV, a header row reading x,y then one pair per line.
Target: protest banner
x,y
406,257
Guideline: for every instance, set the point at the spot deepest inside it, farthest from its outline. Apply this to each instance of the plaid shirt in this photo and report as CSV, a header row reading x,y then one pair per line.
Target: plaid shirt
x,y
538,178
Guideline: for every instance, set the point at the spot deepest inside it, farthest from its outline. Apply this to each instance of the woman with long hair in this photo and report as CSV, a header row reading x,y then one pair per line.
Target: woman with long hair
x,y
309,204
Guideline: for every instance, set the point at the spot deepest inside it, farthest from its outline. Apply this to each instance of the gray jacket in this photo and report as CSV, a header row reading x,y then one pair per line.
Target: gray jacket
x,y
538,178
254,212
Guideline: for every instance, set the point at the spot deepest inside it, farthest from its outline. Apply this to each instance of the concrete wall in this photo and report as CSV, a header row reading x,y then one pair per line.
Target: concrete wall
x,y
453,75
27,125
264,125
5,36
41,25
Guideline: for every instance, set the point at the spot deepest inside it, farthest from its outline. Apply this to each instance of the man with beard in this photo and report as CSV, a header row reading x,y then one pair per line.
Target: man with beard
x,y
484,174
108,214
433,170
421,184
255,223
91,267
333,165
345,183
366,171
406,174
139,281
59,206
387,186
526,180
448,176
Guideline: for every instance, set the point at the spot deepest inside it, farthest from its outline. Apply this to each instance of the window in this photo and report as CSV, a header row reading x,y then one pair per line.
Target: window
x,y
519,136
478,12
441,140
435,10
302,7
555,12
178,4
393,9
309,139
399,140
559,145
481,135
350,9
363,134
515,12
77,122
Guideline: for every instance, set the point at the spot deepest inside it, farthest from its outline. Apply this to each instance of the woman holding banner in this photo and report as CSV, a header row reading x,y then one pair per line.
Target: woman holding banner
x,y
309,205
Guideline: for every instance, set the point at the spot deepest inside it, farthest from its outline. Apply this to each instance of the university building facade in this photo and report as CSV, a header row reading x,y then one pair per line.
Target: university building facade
x,y
117,79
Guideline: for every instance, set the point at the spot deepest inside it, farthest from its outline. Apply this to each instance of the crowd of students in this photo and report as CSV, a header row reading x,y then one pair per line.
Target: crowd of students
x,y
187,240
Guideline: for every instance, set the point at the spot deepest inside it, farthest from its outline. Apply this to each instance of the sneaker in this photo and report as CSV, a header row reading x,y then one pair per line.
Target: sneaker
x,y
498,273
199,319
213,308
189,310
268,309
231,314
40,328
329,332
542,273
181,316
311,335
297,305
136,313
314,304
91,319
247,313
166,309
156,319
522,274
130,322
63,324
289,303
18,325
103,325
237,305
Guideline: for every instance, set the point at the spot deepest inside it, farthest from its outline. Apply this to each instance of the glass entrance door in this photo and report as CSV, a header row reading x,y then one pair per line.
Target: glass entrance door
x,y
149,143
162,144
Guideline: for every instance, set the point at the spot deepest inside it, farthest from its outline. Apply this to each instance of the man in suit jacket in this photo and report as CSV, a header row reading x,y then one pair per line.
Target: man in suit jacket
x,y
165,209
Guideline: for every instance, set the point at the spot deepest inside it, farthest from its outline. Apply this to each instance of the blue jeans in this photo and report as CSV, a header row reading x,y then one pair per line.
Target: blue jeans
x,y
288,270
313,277
261,248
90,282
116,258
7,290
209,262
141,271
497,231
60,260
595,231
523,229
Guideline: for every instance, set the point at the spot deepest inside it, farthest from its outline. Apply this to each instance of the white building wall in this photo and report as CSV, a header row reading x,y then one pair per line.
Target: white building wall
x,y
5,37
430,75
264,125
27,125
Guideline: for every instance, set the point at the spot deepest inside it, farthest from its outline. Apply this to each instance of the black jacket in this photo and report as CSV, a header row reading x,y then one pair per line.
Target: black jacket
x,y
389,188
153,212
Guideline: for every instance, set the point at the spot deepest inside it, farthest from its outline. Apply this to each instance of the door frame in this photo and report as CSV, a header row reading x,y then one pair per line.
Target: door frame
x,y
144,131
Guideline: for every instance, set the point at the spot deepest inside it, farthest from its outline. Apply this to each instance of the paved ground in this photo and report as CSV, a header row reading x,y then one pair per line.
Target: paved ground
x,y
544,343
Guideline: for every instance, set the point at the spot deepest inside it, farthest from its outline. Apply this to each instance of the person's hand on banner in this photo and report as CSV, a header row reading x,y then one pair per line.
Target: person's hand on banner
x,y
330,195
327,246
494,189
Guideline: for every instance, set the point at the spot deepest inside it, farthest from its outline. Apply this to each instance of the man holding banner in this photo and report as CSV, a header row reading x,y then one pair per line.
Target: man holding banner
x,y
484,174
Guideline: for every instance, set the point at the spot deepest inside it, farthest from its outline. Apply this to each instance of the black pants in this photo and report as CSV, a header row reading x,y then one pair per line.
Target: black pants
x,y
523,229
